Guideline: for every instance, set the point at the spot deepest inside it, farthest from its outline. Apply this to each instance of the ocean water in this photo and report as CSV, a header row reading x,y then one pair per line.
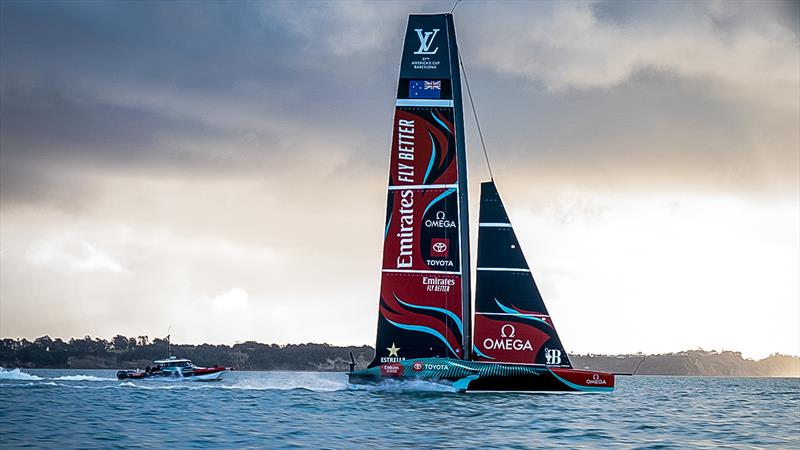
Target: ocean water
x,y
91,409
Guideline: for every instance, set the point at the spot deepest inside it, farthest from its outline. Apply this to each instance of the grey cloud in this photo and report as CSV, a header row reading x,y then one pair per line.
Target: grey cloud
x,y
602,45
194,142
256,89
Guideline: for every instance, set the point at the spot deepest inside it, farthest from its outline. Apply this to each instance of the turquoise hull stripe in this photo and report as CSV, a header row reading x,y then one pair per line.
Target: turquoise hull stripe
x,y
463,384
423,329
433,308
578,387
388,222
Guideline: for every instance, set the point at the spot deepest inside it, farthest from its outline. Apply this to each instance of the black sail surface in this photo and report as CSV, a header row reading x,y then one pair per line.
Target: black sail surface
x,y
512,323
424,296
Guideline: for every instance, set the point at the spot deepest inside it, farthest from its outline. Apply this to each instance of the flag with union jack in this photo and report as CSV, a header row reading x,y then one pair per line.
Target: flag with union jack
x,y
424,89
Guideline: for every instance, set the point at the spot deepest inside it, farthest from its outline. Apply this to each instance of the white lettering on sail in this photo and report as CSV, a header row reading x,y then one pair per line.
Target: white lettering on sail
x,y
507,340
435,284
440,263
405,173
405,143
406,234
425,41
441,221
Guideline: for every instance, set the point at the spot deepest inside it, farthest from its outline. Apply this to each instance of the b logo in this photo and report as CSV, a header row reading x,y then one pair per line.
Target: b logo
x,y
553,356
418,366
425,42
508,331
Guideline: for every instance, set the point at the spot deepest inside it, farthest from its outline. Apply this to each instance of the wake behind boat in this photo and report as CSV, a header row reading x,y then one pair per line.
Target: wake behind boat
x,y
174,368
425,320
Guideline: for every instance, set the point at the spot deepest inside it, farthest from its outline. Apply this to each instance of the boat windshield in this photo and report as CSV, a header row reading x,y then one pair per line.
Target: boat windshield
x,y
176,363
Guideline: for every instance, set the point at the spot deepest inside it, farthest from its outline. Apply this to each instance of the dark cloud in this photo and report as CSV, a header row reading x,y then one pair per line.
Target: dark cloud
x,y
217,89
179,89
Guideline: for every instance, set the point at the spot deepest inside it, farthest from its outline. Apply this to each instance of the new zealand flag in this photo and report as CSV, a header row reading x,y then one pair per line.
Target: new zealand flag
x,y
424,89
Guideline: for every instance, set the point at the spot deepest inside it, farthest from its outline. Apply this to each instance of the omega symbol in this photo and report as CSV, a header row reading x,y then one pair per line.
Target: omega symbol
x,y
511,333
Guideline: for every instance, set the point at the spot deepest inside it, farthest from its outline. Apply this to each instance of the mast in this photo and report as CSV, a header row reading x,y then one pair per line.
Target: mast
x,y
425,301
463,197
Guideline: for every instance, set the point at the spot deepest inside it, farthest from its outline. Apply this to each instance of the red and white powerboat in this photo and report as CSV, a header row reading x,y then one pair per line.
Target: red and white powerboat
x,y
174,368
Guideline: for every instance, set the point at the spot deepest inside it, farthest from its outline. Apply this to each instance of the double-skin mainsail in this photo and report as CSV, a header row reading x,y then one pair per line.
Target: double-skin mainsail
x,y
425,282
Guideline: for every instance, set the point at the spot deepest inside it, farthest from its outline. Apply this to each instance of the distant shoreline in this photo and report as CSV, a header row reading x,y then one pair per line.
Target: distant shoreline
x,y
123,352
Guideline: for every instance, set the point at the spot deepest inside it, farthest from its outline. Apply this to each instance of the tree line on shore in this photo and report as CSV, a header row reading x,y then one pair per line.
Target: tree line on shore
x,y
130,352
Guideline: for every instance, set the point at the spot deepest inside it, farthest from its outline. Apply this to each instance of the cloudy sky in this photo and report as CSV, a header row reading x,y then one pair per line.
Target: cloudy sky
x,y
221,167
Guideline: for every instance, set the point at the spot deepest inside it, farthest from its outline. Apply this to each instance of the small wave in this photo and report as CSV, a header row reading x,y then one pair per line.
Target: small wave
x,y
82,378
130,384
318,388
289,381
24,385
17,375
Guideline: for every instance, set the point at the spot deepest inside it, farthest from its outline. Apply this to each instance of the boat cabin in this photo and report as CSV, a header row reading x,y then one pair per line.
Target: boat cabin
x,y
174,362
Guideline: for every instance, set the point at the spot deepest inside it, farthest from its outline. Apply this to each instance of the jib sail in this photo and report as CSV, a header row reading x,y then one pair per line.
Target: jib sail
x,y
424,295
511,321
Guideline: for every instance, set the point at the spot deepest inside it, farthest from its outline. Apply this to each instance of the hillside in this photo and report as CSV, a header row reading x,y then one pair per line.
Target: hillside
x,y
128,352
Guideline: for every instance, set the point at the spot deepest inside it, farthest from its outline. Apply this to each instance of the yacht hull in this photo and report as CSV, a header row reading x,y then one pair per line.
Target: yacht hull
x,y
473,376
199,374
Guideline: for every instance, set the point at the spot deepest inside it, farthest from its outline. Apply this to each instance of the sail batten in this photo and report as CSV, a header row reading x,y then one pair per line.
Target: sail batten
x,y
424,308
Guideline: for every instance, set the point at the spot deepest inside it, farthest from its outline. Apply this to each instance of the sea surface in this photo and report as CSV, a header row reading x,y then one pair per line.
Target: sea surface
x,y
92,409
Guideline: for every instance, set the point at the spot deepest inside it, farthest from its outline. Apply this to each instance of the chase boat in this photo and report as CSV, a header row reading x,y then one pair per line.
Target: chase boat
x,y
174,368
425,322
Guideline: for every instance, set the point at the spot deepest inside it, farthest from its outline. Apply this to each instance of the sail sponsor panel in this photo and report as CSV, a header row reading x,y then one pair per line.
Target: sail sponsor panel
x,y
422,232
426,52
506,339
420,315
423,147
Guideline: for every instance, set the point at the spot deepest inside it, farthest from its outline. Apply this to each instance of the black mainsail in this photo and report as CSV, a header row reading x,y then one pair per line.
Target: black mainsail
x,y
425,283
511,321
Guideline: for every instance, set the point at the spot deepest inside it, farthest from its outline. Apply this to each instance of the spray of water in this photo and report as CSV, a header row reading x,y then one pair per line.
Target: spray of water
x,y
17,375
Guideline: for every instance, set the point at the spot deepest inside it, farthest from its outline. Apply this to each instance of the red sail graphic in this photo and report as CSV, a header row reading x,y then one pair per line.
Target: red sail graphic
x,y
423,288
